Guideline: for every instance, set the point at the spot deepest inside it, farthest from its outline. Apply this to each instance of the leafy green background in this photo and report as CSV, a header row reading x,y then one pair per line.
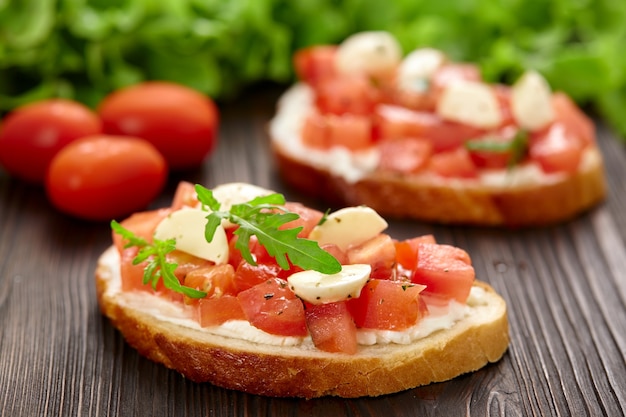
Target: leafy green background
x,y
86,48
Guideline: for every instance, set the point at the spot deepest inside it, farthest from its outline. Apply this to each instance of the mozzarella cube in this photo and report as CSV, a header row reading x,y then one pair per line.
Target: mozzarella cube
x,y
348,227
531,101
373,53
471,103
187,227
318,288
418,67
237,193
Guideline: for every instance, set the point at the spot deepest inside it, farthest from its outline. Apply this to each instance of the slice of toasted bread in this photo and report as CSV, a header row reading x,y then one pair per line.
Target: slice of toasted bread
x,y
301,370
521,196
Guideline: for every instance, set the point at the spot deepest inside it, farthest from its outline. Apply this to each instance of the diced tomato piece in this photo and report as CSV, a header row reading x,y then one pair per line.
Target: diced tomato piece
x,y
576,122
453,72
340,95
503,95
315,131
186,263
213,311
557,151
331,327
185,195
404,155
272,307
407,250
326,130
247,275
495,159
415,100
387,305
395,122
350,131
379,252
309,218
132,275
215,280
258,252
446,271
453,164
142,224
337,252
315,63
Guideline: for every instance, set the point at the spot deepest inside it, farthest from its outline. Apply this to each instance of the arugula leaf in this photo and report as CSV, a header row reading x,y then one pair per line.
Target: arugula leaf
x,y
263,217
84,49
158,267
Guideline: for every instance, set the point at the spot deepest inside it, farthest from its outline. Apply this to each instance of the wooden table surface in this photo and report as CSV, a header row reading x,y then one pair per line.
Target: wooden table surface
x,y
565,287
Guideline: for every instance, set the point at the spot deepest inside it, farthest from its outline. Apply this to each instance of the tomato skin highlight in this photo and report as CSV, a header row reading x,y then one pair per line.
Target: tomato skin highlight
x,y
331,327
105,177
179,121
31,135
272,307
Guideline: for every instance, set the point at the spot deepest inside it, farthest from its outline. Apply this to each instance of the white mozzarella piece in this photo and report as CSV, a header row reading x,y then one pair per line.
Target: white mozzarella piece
x,y
418,67
531,101
349,226
237,193
372,52
318,288
471,103
187,227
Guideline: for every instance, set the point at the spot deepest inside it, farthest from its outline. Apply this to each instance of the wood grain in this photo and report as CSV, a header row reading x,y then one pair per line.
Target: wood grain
x,y
565,287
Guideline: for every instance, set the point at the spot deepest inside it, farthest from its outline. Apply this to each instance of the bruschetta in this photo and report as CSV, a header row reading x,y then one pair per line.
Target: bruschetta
x,y
236,287
421,136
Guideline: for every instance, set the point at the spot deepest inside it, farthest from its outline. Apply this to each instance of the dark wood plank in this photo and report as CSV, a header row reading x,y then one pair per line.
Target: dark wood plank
x,y
565,287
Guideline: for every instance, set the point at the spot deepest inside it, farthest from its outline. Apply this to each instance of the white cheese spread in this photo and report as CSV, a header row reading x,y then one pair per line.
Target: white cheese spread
x,y
353,166
438,319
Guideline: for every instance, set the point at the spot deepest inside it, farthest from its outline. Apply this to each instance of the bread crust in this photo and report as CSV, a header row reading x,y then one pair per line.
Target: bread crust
x,y
421,198
545,200
291,371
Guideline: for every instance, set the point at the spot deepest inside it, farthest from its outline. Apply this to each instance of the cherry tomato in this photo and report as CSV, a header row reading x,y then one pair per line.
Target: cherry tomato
x,y
104,177
180,122
31,135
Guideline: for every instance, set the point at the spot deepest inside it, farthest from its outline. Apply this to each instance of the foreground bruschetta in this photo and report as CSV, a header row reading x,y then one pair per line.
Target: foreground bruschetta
x,y
423,137
236,287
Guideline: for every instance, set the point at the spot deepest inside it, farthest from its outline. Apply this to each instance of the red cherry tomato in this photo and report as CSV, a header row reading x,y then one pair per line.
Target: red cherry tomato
x,y
32,134
104,177
180,122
